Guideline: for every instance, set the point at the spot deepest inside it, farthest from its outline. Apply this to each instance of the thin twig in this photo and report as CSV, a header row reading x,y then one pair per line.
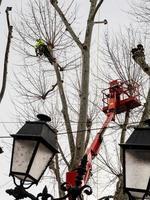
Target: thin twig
x,y
67,24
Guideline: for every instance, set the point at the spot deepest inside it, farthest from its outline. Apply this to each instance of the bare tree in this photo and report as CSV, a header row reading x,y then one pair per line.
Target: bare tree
x,y
141,10
118,60
46,83
54,26
139,58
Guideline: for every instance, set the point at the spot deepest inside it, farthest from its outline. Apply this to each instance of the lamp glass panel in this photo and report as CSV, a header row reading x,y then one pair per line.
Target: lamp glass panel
x,y
42,158
137,164
23,150
138,195
22,177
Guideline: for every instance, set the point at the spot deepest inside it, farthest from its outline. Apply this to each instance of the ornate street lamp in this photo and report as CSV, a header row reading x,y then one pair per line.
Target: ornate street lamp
x,y
136,164
34,146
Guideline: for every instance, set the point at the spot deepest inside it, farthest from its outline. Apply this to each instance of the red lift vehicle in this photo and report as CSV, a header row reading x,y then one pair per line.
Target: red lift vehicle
x,y
120,97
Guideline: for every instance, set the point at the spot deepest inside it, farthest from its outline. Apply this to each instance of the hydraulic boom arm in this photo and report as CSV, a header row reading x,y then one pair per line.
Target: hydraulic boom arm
x,y
81,175
119,97
93,150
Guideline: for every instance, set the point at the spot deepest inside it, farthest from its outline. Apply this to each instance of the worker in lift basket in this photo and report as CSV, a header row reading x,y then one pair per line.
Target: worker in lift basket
x,y
42,49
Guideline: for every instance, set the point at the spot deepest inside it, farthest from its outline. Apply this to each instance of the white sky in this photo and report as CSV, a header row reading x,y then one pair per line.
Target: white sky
x,y
112,10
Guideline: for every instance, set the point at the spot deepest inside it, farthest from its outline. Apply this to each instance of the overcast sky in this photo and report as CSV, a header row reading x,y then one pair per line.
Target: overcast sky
x,y
112,10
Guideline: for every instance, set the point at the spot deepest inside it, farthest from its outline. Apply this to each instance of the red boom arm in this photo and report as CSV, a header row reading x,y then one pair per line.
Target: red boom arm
x,y
121,96
90,154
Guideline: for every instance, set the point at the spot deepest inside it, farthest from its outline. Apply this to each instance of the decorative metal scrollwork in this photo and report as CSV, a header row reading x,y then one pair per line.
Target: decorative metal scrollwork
x,y
19,192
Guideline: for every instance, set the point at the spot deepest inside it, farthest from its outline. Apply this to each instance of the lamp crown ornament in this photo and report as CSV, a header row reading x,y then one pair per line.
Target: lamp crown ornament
x,y
43,118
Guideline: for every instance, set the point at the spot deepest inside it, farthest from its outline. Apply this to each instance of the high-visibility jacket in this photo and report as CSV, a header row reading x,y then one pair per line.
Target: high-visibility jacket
x,y
39,43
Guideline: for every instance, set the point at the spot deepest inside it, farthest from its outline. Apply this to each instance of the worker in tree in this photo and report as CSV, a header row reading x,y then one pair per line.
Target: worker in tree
x,y
40,44
42,49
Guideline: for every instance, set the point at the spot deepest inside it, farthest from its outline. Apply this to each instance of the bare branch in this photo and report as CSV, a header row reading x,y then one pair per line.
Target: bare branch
x,y
63,156
65,110
54,165
65,21
97,7
53,87
10,29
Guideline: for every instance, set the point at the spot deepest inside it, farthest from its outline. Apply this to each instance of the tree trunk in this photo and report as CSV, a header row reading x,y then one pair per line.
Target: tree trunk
x,y
146,112
85,49
65,111
142,63
81,130
119,193
139,58
84,93
123,134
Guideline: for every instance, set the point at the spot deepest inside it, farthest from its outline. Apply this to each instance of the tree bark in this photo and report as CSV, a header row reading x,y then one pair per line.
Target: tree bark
x,y
142,63
65,111
146,112
123,133
85,50
81,129
54,165
119,193
139,58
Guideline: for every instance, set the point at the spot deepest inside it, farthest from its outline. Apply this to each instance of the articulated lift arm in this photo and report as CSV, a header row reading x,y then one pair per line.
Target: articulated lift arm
x,y
81,175
118,99
93,150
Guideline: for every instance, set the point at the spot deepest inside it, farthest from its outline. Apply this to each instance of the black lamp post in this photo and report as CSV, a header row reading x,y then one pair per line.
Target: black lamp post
x,y
136,164
34,147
